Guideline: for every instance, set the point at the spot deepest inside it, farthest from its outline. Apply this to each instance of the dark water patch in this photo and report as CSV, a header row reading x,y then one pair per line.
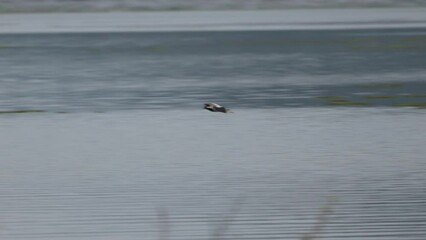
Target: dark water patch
x,y
382,85
21,111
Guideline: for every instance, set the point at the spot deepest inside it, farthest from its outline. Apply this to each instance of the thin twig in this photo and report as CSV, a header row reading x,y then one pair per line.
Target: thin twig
x,y
322,219
223,226
163,224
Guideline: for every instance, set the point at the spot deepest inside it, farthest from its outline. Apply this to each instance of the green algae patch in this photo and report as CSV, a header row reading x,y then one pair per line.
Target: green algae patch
x,y
414,96
394,96
340,101
346,103
380,97
415,105
329,97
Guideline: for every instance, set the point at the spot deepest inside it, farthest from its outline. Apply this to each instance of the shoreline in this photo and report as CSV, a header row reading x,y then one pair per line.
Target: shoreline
x,y
229,20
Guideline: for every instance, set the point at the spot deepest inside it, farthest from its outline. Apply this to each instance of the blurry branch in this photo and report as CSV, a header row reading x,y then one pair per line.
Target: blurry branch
x,y
163,224
223,226
322,219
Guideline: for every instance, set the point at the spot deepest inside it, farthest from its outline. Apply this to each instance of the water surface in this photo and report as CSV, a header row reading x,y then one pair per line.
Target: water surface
x,y
129,175
115,71
103,135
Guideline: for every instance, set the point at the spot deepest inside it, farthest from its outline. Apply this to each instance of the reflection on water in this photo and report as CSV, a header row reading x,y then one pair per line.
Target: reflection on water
x,y
265,173
115,71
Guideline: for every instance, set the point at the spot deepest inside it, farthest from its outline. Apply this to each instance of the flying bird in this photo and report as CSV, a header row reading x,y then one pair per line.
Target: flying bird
x,y
214,107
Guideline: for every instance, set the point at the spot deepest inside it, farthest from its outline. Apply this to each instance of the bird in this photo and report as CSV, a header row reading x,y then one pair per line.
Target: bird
x,y
214,107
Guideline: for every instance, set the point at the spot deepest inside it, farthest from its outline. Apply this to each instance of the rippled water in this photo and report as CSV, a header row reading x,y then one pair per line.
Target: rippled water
x,y
115,71
318,142
265,174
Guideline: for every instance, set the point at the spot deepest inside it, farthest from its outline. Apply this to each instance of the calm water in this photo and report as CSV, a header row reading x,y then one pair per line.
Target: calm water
x,y
318,140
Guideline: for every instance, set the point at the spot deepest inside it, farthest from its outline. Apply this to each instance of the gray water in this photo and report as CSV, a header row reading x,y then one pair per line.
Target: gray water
x,y
320,141
174,5
116,71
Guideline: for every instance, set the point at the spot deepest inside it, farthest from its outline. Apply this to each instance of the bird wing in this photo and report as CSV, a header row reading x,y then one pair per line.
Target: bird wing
x,y
216,105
